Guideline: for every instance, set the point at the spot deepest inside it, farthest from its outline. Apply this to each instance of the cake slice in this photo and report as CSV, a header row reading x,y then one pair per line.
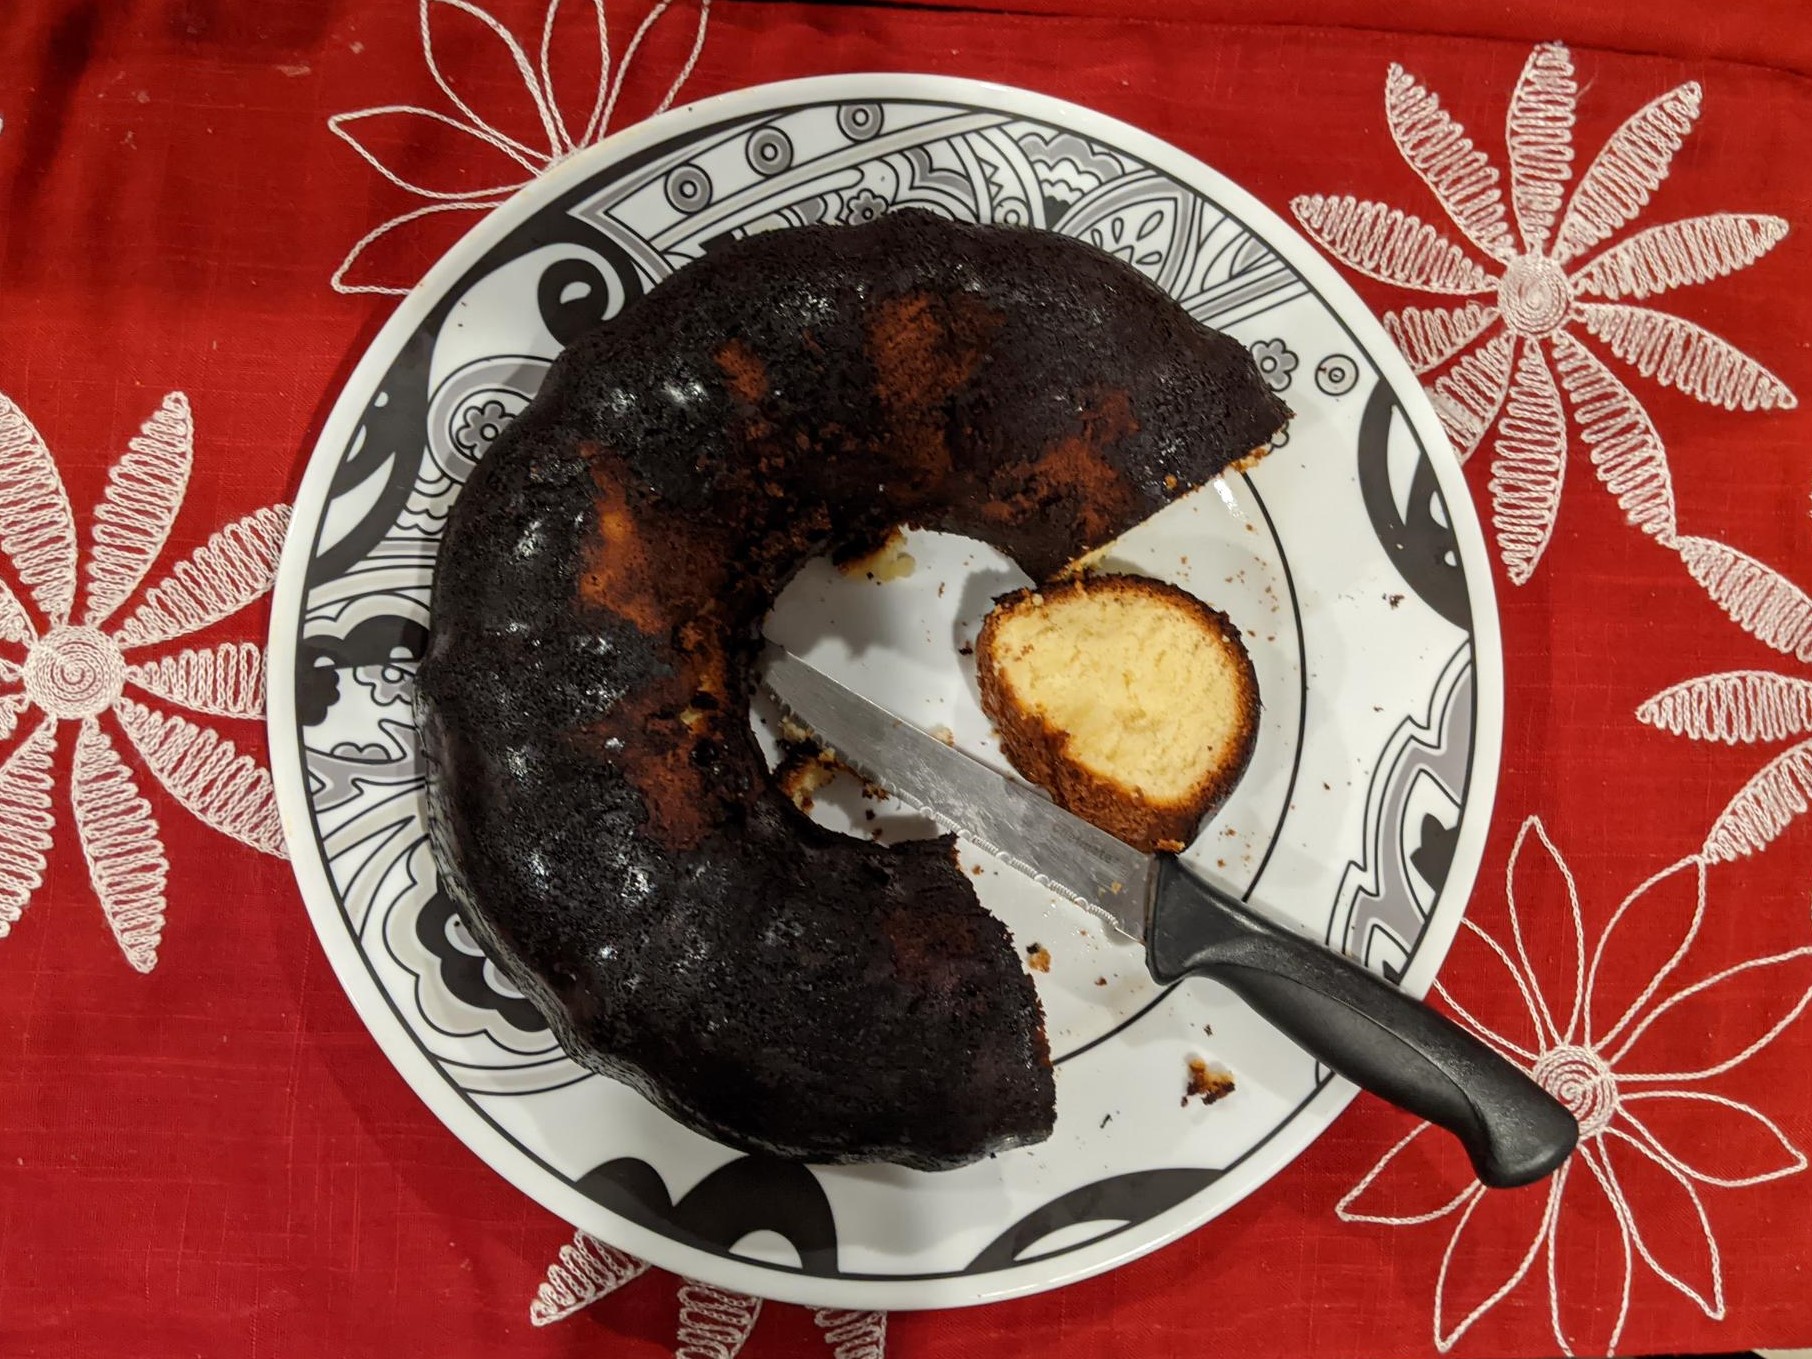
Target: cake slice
x,y
1132,702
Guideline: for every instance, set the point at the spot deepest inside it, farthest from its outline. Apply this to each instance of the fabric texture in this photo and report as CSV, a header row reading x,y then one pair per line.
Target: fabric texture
x,y
202,1151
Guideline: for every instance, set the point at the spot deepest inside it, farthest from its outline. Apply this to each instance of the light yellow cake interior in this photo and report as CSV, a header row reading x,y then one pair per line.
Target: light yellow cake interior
x,y
1148,697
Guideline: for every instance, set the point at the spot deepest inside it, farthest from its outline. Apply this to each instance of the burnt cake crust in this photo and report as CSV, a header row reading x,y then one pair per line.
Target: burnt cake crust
x,y
598,807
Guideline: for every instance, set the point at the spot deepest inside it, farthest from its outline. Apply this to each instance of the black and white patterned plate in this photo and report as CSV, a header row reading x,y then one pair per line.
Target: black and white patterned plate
x,y
1351,559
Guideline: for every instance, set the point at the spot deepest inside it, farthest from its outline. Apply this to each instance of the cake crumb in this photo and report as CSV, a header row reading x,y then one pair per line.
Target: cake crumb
x,y
803,774
1038,958
966,649
1208,1029
940,589
977,870
1106,1119
1100,981
890,561
1393,600
1206,1084
944,734
1170,481
1171,846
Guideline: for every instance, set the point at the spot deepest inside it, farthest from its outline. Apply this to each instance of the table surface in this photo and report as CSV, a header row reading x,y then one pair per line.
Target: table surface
x,y
201,1149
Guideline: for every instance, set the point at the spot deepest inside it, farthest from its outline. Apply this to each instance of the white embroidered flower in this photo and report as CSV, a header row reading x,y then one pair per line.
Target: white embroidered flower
x,y
1515,334
1748,705
713,1323
1604,1035
488,163
76,668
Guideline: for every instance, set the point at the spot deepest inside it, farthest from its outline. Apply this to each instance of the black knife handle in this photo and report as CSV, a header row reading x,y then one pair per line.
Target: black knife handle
x,y
1361,1026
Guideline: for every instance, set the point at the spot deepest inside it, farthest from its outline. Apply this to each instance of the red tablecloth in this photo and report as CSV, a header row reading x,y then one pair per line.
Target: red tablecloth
x,y
202,1151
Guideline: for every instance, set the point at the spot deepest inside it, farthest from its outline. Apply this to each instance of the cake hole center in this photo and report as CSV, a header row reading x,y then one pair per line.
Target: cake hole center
x,y
897,627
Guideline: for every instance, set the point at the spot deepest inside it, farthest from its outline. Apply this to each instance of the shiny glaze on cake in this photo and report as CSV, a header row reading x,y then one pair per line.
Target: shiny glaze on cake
x,y
600,811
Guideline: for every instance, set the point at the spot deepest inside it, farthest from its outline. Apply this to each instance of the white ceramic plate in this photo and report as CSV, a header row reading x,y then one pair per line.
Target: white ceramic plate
x,y
1350,558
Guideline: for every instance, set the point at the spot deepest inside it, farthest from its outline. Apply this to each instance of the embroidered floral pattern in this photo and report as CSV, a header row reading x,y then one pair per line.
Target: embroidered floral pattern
x,y
75,669
713,1322
1748,706
501,162
1508,350
1594,1030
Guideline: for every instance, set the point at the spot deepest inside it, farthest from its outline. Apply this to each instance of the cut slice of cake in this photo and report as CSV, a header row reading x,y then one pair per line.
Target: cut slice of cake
x,y
1132,702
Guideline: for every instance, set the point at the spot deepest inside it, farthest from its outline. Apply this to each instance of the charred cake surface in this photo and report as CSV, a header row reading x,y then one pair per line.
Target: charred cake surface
x,y
599,809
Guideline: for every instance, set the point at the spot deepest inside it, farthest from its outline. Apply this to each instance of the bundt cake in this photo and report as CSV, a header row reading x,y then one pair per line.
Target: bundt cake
x,y
598,806
1132,702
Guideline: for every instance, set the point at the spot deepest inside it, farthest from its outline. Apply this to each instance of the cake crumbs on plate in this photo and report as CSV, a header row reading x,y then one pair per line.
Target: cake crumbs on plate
x,y
1206,1083
1038,958
803,773
889,561
944,734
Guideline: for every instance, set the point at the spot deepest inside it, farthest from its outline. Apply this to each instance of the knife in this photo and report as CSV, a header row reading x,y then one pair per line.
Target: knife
x,y
1350,1019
